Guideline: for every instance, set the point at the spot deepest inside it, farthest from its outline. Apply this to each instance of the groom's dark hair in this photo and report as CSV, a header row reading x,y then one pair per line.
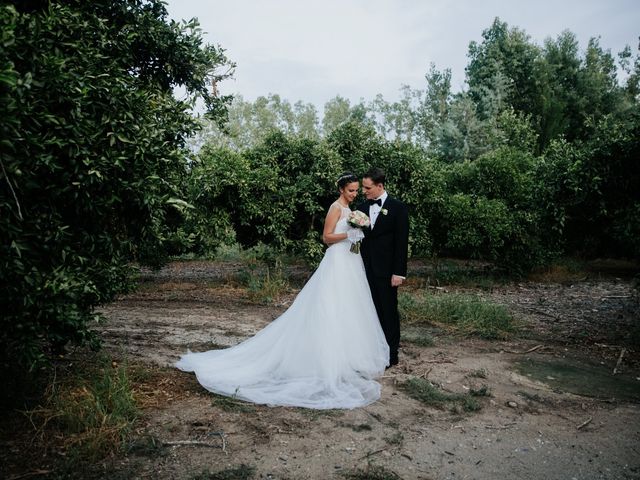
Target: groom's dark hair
x,y
376,175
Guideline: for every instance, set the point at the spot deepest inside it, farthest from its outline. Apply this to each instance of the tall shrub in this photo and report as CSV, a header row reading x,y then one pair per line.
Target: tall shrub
x,y
93,150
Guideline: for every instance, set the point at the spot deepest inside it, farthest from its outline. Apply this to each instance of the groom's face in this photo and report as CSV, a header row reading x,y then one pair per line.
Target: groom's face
x,y
372,190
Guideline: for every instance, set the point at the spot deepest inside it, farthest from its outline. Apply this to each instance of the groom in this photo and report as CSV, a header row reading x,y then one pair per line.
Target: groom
x,y
384,252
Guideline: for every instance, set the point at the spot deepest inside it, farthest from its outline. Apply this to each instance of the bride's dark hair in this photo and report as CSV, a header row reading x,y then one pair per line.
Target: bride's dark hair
x,y
345,179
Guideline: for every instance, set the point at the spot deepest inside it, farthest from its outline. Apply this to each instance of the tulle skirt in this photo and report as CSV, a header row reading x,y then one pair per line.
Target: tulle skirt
x,y
323,352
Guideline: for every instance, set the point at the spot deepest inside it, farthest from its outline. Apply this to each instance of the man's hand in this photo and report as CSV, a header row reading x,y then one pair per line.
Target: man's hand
x,y
396,280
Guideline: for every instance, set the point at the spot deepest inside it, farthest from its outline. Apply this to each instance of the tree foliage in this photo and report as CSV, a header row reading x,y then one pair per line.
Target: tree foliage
x,y
538,157
93,155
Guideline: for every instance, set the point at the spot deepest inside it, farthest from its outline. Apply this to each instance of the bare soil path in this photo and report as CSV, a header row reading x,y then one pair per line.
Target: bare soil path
x,y
555,411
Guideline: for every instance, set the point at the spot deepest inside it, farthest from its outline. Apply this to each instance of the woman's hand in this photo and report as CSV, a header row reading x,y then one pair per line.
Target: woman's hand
x,y
355,235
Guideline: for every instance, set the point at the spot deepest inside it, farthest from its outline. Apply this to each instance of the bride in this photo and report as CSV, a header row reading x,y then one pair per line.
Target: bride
x,y
325,350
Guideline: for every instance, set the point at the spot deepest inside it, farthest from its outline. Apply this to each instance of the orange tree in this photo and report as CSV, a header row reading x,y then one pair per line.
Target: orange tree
x,y
93,152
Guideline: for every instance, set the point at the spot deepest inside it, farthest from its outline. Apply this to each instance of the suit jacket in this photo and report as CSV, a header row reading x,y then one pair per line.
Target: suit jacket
x,y
384,248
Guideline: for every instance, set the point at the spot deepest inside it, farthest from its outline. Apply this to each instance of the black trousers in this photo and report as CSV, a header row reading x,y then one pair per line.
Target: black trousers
x,y
385,299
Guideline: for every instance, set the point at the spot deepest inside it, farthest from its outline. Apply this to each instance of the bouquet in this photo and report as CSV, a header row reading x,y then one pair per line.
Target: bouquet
x,y
358,219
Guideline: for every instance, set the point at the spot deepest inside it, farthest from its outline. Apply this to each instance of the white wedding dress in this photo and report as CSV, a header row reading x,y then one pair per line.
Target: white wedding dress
x,y
323,352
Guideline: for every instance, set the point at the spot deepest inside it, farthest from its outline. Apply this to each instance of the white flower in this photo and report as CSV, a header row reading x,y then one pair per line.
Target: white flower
x,y
384,211
358,219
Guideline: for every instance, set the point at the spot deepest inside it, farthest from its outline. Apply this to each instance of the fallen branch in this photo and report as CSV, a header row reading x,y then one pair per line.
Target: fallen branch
x,y
500,427
542,312
622,352
534,349
30,474
371,454
585,423
182,443
426,373
198,443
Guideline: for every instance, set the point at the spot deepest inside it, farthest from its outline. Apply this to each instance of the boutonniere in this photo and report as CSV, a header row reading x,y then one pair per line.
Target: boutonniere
x,y
384,211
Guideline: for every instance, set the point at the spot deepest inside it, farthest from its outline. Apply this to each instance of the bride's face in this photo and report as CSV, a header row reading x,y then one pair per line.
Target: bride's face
x,y
350,191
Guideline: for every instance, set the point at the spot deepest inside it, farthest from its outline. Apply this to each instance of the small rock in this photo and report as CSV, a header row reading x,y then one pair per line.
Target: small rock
x,y
512,404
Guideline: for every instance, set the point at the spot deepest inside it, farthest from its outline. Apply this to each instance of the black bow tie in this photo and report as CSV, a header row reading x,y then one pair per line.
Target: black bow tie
x,y
373,202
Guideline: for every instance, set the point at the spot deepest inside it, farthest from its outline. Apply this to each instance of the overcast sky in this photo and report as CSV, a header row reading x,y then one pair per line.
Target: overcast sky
x,y
313,50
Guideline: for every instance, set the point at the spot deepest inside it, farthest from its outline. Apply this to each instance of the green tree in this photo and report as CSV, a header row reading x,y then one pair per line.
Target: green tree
x,y
276,193
398,120
505,54
631,68
93,154
249,123
336,112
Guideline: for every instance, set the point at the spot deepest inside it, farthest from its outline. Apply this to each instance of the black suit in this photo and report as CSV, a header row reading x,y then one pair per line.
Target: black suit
x,y
384,252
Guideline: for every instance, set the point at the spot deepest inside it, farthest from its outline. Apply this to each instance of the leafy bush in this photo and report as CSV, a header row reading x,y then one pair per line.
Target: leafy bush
x,y
93,156
276,193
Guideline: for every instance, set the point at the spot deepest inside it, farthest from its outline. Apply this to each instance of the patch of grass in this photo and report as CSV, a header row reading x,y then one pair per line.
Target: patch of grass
x,y
265,285
363,427
483,391
428,394
418,336
396,439
243,472
93,410
231,404
371,472
462,314
482,275
565,270
479,280
233,332
479,373
315,414
232,253
534,397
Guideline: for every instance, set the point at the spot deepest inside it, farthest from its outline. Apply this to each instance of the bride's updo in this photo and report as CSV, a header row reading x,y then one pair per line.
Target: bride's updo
x,y
345,179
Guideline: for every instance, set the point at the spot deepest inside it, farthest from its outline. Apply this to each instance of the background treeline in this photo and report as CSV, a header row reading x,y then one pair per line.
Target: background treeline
x,y
100,167
537,158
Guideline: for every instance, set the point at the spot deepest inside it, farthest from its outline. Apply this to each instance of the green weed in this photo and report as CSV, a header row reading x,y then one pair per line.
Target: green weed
x,y
243,472
231,404
265,285
428,394
94,410
418,336
463,314
396,439
371,472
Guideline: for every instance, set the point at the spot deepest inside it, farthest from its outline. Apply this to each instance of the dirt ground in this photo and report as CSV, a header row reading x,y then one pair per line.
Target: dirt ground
x,y
555,410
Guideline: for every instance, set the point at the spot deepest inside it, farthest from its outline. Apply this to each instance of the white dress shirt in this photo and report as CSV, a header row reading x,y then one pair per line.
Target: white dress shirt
x,y
374,210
